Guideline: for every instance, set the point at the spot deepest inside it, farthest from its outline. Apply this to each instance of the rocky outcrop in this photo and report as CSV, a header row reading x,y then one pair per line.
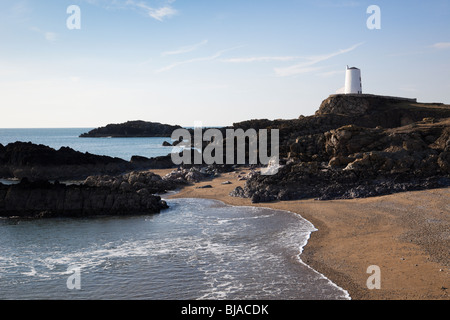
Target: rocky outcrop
x,y
360,104
143,163
132,129
44,200
151,183
358,162
38,162
125,194
309,181
358,146
192,174
136,181
301,138
35,162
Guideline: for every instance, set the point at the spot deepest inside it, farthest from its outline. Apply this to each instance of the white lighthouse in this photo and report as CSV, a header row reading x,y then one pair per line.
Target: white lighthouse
x,y
353,84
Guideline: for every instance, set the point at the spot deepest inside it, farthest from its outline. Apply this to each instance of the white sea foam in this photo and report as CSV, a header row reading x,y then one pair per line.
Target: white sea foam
x,y
198,249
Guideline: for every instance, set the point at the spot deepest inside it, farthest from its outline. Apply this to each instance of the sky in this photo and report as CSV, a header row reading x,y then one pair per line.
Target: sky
x,y
217,62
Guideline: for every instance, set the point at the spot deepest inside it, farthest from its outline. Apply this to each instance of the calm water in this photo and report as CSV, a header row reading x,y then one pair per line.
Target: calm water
x,y
123,148
197,249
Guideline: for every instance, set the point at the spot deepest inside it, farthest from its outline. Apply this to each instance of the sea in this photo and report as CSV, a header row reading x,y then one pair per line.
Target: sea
x,y
198,249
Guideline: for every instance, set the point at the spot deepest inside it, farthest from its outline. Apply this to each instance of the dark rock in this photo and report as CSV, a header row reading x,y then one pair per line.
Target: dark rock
x,y
19,160
162,162
301,181
39,162
189,175
42,199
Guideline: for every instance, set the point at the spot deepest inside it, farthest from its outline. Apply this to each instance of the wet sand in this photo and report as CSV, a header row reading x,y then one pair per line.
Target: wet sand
x,y
407,235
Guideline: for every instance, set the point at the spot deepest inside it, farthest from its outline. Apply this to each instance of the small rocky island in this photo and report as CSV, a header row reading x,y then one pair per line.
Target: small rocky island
x,y
132,129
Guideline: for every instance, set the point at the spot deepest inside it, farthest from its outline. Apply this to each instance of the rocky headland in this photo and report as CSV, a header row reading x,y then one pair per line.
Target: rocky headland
x,y
132,129
356,146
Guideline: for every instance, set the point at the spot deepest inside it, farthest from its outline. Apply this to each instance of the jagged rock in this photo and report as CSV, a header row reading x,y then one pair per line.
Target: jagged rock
x,y
194,176
162,162
345,104
134,181
340,161
301,181
444,162
191,175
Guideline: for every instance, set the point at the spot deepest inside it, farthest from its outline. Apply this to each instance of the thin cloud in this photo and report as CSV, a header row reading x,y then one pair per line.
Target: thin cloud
x,y
306,67
329,74
338,4
49,36
21,12
159,14
441,45
261,59
403,54
208,58
408,88
185,49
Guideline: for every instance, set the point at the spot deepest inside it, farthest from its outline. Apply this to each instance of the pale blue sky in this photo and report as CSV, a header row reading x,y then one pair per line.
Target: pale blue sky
x,y
214,61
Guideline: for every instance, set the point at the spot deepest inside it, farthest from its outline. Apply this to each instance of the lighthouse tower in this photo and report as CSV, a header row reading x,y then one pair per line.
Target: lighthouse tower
x,y
353,84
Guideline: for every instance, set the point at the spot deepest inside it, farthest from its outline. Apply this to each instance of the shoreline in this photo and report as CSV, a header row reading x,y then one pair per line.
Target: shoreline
x,y
405,234
345,293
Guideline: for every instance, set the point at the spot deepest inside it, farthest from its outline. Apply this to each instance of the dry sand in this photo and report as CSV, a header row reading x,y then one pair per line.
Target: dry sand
x,y
406,234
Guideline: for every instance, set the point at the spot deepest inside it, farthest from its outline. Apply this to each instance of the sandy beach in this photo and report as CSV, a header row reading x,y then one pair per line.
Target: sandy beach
x,y
407,235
